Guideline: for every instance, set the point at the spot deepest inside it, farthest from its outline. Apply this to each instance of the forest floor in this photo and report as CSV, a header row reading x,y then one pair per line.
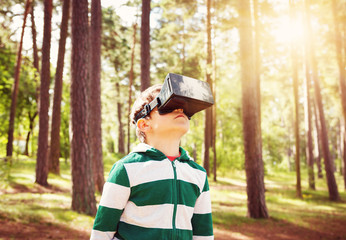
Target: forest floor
x,y
29,211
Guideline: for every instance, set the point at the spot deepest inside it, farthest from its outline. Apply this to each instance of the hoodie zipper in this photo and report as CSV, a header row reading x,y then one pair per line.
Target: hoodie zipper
x,y
175,199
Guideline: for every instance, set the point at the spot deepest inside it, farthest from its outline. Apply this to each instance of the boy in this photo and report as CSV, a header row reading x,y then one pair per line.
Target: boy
x,y
157,191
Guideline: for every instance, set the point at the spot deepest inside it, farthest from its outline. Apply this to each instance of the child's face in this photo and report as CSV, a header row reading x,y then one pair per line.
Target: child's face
x,y
173,123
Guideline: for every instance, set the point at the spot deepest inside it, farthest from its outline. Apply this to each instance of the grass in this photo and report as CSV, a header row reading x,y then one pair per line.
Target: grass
x,y
285,209
23,201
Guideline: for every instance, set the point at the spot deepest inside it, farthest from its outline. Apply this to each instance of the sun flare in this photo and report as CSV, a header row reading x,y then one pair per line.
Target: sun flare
x,y
287,29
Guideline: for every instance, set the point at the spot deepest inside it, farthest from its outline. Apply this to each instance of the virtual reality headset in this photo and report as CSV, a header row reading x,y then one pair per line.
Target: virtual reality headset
x,y
180,92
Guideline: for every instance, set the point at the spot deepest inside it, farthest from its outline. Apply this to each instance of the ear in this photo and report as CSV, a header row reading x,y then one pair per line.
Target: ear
x,y
143,125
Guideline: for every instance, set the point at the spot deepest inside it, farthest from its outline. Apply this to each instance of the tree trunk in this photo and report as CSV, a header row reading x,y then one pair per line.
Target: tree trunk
x,y
208,130
308,124
252,143
145,45
258,65
95,119
83,199
341,65
214,107
31,127
130,85
308,129
317,142
332,187
296,105
35,53
54,165
9,147
121,137
42,151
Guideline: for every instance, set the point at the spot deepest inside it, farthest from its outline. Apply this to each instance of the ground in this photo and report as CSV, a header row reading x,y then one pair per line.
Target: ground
x,y
277,231
30,211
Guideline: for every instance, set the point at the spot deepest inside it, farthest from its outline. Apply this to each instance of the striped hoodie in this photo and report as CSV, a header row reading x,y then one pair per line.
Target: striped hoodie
x,y
147,196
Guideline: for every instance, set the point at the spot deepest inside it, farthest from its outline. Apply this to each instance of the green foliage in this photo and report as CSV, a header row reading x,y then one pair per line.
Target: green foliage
x,y
178,44
7,61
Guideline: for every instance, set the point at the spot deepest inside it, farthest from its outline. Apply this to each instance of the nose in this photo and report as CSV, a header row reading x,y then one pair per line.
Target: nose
x,y
179,110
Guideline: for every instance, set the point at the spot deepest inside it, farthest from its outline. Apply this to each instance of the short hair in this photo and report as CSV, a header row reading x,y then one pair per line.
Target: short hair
x,y
144,98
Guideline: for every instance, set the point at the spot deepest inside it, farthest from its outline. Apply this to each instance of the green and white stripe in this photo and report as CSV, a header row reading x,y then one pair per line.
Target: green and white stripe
x,y
147,196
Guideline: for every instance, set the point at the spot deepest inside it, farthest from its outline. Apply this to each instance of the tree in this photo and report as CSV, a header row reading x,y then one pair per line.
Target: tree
x,y
251,133
95,120
294,58
34,49
342,78
121,138
308,114
42,151
331,182
130,85
54,166
317,141
83,199
145,45
208,130
33,115
9,147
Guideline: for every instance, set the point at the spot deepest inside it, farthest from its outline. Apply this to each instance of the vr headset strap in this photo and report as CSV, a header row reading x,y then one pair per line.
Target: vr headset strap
x,y
147,109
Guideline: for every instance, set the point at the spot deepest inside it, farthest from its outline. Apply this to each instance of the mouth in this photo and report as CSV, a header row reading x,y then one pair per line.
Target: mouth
x,y
180,115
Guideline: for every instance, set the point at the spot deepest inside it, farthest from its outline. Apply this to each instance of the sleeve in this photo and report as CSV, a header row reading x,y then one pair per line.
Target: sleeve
x,y
115,195
202,223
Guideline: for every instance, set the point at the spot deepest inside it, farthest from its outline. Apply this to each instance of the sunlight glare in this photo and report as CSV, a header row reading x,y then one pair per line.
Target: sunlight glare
x,y
288,30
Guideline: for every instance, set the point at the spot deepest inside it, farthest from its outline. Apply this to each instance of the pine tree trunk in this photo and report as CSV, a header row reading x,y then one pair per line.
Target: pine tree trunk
x,y
308,129
331,182
342,66
54,165
42,151
145,45
95,119
208,130
317,142
252,143
31,127
296,105
9,147
332,187
308,124
35,53
130,85
83,199
121,137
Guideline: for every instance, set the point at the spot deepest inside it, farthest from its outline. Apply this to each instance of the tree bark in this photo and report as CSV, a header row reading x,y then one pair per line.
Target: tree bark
x,y
54,165
31,127
208,130
42,151
95,119
9,147
331,182
341,65
253,159
317,142
294,58
130,85
308,115
35,53
145,45
83,199
121,137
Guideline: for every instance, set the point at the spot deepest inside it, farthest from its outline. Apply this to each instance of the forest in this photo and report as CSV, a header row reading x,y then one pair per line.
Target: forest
x,y
273,144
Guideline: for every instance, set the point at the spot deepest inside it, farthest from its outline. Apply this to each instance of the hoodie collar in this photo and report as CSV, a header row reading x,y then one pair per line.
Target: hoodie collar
x,y
145,148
